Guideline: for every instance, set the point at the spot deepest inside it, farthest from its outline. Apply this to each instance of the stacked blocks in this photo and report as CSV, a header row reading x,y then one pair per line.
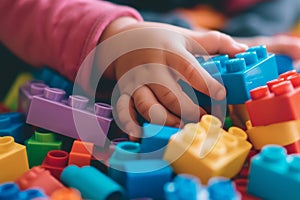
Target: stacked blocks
x,y
276,102
194,151
81,153
89,124
11,191
12,124
13,159
146,178
124,151
246,71
275,118
91,183
274,174
39,145
55,162
41,178
155,139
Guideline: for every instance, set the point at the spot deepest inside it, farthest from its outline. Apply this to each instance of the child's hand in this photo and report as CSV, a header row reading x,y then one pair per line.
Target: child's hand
x,y
147,76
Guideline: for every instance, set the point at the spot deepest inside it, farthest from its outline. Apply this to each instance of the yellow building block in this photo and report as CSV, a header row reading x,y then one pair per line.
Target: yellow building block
x,y
282,134
239,115
224,157
11,99
13,159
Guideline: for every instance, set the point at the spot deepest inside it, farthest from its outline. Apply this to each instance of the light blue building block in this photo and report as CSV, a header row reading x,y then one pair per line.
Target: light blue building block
x,y
124,151
91,183
222,188
274,174
146,178
155,139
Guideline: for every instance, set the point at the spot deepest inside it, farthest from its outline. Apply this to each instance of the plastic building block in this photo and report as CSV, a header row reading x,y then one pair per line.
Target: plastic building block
x,y
66,194
91,183
241,186
12,124
222,159
39,145
283,134
13,159
55,161
184,187
79,120
239,115
222,188
227,123
274,174
11,191
41,178
55,80
27,92
187,187
81,153
246,71
146,178
124,151
284,63
155,139
11,99
276,102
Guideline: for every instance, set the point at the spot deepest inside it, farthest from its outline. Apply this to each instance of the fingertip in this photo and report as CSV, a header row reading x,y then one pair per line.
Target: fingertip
x,y
220,94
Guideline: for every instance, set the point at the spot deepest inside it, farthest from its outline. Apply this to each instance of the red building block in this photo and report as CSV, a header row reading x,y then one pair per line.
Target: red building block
x,y
81,153
241,186
55,161
276,102
39,177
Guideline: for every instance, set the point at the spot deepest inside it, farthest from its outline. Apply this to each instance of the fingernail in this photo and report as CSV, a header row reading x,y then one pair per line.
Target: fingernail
x,y
241,45
221,94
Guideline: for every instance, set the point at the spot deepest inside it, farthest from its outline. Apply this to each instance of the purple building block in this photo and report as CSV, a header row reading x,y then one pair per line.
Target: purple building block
x,y
71,117
27,92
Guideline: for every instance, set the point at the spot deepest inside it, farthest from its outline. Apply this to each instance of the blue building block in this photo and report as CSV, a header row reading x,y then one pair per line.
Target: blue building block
x,y
274,174
155,140
91,183
183,187
284,63
222,188
11,191
239,75
13,124
146,178
55,80
124,151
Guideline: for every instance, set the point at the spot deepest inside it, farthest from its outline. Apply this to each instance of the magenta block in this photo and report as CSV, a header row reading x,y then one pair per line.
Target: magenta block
x,y
72,117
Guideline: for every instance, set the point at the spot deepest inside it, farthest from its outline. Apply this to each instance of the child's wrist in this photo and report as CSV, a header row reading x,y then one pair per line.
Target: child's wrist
x,y
117,26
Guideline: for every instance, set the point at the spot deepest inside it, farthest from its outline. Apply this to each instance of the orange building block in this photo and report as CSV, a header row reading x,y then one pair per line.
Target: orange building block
x,y
39,177
283,134
66,194
81,153
13,159
276,102
55,161
225,155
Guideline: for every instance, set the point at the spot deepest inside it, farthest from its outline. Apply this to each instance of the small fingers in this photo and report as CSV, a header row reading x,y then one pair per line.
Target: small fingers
x,y
148,106
127,117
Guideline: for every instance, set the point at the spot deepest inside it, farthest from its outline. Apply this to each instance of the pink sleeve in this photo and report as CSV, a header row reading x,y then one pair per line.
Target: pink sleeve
x,y
57,33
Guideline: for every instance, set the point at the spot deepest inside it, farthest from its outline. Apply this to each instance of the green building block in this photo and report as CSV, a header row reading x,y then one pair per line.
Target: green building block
x,y
39,145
